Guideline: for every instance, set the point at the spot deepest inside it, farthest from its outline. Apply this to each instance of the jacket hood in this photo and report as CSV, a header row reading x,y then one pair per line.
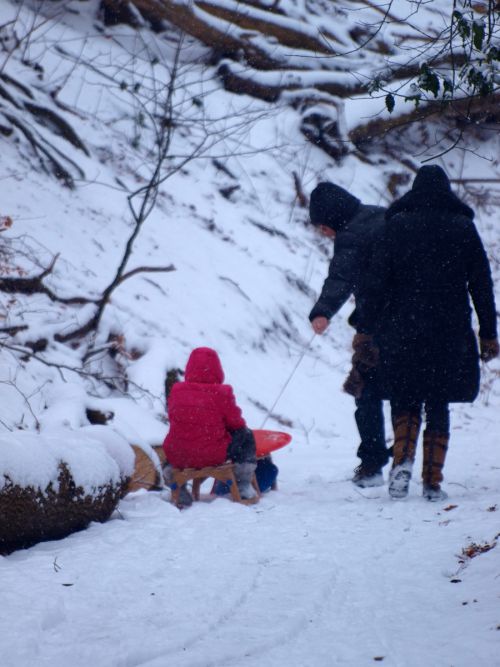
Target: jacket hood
x,y
332,206
204,366
430,190
431,178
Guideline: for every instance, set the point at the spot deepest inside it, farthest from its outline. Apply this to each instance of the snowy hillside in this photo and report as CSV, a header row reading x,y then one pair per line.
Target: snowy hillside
x,y
318,573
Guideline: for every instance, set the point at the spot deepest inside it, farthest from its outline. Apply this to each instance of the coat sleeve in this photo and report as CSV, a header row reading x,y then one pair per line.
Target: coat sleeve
x,y
481,286
343,276
232,415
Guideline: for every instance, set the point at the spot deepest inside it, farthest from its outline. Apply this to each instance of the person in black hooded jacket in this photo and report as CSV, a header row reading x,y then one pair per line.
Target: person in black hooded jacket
x,y
416,302
354,228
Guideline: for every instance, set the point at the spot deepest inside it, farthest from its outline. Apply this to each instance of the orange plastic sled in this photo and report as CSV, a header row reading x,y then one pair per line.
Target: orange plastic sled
x,y
268,441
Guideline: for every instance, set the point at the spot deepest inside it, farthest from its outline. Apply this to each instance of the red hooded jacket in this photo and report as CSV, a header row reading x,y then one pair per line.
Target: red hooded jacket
x,y
202,413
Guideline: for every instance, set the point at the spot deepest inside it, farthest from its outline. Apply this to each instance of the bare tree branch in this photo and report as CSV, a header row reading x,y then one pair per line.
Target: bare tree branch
x,y
34,285
146,269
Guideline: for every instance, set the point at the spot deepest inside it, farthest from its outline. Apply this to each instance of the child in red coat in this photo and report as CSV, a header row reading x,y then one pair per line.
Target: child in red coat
x,y
206,425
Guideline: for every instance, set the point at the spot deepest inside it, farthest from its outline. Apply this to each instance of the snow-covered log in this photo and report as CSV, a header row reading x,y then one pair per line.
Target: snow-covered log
x,y
216,33
270,85
289,32
461,113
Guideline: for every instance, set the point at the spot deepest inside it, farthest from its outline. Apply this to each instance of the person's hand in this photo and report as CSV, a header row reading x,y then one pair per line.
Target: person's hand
x,y
489,349
320,324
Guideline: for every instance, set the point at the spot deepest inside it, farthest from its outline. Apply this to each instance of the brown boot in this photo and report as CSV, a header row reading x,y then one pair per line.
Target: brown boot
x,y
406,429
435,448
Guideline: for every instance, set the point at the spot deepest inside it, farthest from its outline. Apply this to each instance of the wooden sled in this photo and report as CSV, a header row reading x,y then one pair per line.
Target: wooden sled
x,y
146,472
223,473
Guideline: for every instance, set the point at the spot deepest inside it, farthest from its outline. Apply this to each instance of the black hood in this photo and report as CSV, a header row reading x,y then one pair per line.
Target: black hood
x,y
431,189
332,206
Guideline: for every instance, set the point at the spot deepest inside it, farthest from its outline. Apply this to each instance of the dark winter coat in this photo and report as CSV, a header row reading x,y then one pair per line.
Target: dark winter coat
x,y
202,413
429,261
352,248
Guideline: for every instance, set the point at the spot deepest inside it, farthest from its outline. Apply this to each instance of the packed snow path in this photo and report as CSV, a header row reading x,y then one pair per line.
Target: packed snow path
x,y
318,574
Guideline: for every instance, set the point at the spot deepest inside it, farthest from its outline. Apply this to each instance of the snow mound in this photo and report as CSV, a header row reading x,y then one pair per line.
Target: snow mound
x,y
95,456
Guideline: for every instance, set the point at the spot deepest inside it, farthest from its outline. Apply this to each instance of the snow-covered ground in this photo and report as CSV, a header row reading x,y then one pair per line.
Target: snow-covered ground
x,y
319,573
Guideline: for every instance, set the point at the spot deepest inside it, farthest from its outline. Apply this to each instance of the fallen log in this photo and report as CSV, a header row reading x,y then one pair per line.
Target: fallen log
x,y
286,31
217,35
464,112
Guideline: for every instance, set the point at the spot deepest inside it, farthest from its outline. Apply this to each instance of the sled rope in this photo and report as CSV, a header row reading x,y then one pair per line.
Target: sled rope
x,y
306,348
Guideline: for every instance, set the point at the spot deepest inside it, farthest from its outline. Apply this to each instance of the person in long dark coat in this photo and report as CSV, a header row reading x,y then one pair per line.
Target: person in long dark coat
x,y
354,228
416,302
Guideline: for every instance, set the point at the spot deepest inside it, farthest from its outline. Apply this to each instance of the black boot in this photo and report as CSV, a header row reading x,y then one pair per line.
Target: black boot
x,y
367,475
